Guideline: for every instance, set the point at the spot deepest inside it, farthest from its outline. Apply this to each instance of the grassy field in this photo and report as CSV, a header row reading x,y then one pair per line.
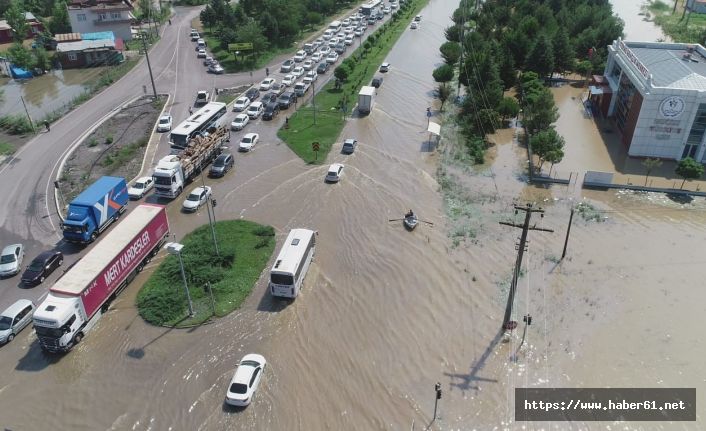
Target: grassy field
x,y
245,248
6,149
673,24
329,118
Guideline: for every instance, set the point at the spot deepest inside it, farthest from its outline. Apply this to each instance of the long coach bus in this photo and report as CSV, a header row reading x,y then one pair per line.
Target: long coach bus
x,y
200,122
292,263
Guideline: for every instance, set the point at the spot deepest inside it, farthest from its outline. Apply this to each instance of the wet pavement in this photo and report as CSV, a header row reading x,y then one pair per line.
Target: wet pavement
x,y
384,313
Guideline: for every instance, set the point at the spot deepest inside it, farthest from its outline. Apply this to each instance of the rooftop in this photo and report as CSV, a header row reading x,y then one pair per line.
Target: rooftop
x,y
673,65
85,44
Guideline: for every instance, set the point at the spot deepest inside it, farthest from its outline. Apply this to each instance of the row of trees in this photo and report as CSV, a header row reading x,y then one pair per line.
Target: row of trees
x,y
489,45
280,20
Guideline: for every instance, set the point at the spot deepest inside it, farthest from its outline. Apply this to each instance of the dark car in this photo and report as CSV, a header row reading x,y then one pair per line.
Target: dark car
x,y
286,100
271,111
221,165
349,146
42,266
269,97
322,67
252,93
340,48
377,82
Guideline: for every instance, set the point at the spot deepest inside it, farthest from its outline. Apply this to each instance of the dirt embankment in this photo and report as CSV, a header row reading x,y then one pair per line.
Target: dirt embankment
x,y
115,148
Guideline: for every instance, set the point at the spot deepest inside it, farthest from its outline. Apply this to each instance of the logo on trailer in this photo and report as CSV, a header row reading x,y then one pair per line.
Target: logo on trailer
x,y
103,209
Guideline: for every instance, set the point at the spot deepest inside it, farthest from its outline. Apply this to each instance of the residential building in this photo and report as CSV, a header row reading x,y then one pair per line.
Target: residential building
x,y
35,28
93,16
655,94
89,53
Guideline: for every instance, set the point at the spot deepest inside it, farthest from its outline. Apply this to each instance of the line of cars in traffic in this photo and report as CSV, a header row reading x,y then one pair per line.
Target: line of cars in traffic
x,y
208,61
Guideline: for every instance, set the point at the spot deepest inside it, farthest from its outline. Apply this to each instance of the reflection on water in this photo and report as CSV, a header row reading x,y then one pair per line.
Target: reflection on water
x,y
46,93
636,28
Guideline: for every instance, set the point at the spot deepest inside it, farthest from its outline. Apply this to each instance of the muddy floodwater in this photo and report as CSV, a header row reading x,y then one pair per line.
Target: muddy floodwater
x,y
46,93
384,313
638,28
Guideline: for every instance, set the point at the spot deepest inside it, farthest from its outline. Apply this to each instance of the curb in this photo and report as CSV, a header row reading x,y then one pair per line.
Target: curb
x,y
78,142
152,141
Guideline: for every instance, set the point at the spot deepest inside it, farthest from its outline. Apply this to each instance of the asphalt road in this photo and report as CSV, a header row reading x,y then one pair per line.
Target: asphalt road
x,y
29,214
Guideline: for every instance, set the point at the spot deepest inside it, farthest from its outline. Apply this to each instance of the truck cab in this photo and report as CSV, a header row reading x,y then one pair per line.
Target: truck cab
x,y
59,323
168,177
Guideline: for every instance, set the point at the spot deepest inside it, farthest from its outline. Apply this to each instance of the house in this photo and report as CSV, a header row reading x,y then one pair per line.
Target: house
x,y
35,28
89,53
95,16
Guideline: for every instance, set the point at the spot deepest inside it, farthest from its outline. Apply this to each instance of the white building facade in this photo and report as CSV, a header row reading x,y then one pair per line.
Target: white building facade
x,y
95,16
658,100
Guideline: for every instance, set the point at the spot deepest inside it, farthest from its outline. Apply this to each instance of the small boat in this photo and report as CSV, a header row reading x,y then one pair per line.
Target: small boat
x,y
410,222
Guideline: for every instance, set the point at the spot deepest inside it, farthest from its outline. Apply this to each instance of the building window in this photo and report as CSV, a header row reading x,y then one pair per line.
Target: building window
x,y
102,16
115,15
81,17
72,56
696,135
624,99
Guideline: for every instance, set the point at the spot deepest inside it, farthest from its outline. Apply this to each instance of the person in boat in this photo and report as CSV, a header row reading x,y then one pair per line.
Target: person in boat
x,y
409,214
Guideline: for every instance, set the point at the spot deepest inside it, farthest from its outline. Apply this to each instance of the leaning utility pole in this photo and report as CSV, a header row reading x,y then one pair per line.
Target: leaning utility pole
x,y
507,323
149,67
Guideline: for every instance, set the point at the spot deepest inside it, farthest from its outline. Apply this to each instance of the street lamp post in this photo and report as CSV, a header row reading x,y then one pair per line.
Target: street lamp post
x,y
174,248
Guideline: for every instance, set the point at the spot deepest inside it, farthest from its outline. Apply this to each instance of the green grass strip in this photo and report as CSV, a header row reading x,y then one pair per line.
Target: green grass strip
x,y
245,248
329,119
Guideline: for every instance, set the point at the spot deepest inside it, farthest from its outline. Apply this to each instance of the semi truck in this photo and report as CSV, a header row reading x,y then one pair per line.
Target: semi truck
x,y
365,99
91,212
174,171
81,295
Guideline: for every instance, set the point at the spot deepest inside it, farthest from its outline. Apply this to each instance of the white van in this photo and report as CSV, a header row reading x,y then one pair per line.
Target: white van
x,y
14,319
335,26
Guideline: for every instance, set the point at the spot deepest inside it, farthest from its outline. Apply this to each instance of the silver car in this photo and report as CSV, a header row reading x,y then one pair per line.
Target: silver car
x,y
14,319
11,260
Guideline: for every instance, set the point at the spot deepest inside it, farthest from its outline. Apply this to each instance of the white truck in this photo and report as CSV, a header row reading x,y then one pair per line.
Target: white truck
x,y
80,296
173,172
365,99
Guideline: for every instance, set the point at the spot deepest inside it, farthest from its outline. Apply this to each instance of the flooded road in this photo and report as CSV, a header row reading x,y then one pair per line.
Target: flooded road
x,y
384,313
637,27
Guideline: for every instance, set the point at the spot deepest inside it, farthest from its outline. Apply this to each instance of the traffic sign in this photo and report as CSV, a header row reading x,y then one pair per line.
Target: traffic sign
x,y
315,146
239,46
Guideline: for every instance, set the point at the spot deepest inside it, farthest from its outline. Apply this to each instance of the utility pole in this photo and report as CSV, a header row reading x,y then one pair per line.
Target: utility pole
x,y
27,112
568,230
313,98
507,323
149,67
437,389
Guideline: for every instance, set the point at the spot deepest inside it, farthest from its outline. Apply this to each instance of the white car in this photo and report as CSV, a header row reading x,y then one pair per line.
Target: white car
x,y
386,10
11,259
201,53
300,56
316,57
241,104
196,198
325,49
414,25
358,32
267,83
298,71
310,76
248,142
288,80
165,123
346,22
308,65
335,171
239,122
255,110
348,40
385,67
348,30
393,5
140,187
331,58
246,380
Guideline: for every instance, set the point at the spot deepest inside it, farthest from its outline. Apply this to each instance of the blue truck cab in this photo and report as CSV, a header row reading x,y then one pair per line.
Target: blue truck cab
x,y
91,212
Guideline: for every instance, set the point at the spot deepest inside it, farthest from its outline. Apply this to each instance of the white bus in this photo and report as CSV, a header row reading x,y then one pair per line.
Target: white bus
x,y
200,122
292,263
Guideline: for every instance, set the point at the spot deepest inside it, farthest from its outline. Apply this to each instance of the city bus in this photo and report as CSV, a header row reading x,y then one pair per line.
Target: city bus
x,y
292,263
198,123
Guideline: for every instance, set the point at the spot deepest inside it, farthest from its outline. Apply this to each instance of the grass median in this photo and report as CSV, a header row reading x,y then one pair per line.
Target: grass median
x,y
245,248
302,131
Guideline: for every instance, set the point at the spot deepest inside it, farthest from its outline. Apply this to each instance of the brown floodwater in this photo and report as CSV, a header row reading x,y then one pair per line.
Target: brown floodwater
x,y
46,93
384,313
638,28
